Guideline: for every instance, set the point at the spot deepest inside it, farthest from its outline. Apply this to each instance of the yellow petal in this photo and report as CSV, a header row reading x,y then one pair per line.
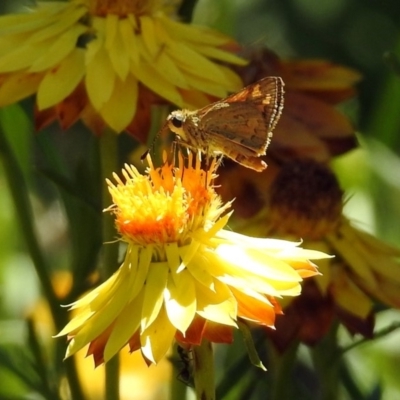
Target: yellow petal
x,y
164,63
372,242
188,252
180,300
61,81
218,305
129,39
202,84
194,33
173,257
193,99
219,54
115,46
382,258
88,301
154,80
157,338
58,26
126,324
76,323
149,36
139,277
18,86
104,317
132,263
120,109
60,48
17,23
259,263
156,282
22,57
100,74
214,232
198,268
343,244
323,281
73,347
194,63
349,296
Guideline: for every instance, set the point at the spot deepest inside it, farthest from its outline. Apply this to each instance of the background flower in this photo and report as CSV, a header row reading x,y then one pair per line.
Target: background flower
x,y
96,60
305,201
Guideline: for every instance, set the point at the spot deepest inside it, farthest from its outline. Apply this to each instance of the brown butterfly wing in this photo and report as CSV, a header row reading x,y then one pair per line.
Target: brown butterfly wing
x,y
246,118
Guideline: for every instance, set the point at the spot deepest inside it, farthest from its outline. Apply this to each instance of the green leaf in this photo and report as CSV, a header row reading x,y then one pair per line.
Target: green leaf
x,y
18,130
71,165
251,348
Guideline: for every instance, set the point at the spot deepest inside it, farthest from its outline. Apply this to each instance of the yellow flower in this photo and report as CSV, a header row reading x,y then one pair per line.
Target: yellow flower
x,y
86,58
184,276
305,201
368,270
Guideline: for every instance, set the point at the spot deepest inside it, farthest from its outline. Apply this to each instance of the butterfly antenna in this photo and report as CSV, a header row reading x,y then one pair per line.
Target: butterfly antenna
x,y
153,143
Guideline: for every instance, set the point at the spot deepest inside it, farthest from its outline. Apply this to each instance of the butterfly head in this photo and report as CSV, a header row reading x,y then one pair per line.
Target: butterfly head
x,y
176,121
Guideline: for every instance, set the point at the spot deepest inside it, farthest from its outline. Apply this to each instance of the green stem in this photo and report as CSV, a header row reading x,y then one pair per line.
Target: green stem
x,y
109,164
203,371
283,369
24,216
178,388
327,365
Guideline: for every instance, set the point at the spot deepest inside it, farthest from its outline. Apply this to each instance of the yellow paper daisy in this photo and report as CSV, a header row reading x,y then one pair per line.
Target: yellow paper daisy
x,y
86,58
184,277
305,200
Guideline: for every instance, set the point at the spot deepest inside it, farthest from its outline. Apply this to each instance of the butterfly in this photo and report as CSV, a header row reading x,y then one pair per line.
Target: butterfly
x,y
239,126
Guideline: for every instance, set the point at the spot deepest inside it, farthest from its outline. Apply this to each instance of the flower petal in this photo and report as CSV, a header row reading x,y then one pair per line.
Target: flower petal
x,y
119,110
18,86
157,338
199,270
150,76
115,46
156,282
180,300
128,321
59,48
100,74
348,296
253,309
59,82
218,306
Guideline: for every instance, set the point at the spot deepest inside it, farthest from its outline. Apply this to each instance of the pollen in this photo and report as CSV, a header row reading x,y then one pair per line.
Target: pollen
x,y
165,205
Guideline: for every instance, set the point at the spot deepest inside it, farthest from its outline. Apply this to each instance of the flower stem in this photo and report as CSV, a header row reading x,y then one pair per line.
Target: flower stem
x,y
203,371
283,369
24,216
327,364
109,164
178,388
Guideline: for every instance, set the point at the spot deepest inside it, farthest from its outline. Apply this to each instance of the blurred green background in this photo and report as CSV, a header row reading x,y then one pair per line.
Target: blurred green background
x,y
364,35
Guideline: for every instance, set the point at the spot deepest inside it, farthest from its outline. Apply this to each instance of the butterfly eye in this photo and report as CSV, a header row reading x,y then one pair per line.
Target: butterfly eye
x,y
176,122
